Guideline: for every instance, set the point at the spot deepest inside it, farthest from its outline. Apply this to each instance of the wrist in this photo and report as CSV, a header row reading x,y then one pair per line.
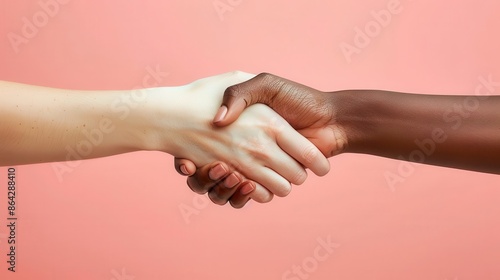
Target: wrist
x,y
377,122
158,119
356,117
172,117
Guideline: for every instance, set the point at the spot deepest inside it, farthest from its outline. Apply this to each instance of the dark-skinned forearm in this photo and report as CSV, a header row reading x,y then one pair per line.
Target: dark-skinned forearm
x,y
455,131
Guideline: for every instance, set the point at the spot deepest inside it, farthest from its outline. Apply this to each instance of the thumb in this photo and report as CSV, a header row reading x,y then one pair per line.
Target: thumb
x,y
184,167
238,97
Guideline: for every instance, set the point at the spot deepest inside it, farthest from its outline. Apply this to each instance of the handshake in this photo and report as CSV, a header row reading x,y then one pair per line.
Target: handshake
x,y
266,151
260,139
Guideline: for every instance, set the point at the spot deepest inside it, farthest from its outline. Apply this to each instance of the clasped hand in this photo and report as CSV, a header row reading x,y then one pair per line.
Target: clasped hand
x,y
254,153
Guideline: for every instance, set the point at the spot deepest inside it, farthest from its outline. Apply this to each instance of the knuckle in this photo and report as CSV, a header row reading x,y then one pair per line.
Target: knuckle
x,y
215,197
196,184
232,91
266,76
299,177
277,125
272,86
310,154
237,205
195,187
256,149
260,154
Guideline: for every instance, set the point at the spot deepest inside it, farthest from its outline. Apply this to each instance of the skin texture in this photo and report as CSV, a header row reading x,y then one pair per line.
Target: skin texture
x,y
453,131
43,124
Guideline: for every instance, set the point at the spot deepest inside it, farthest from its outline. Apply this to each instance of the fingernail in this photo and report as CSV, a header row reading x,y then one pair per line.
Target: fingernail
x,y
247,188
217,172
184,170
231,181
221,113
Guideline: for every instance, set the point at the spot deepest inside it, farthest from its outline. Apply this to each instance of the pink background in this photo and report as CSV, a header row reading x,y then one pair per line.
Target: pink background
x,y
120,218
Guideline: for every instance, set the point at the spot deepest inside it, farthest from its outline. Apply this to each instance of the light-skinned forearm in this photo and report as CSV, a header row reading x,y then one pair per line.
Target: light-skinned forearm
x,y
42,124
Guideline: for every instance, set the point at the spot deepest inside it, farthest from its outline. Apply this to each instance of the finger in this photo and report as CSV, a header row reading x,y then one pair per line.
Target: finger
x,y
250,190
301,149
268,178
221,193
259,193
208,176
238,97
184,166
283,164
223,190
240,203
